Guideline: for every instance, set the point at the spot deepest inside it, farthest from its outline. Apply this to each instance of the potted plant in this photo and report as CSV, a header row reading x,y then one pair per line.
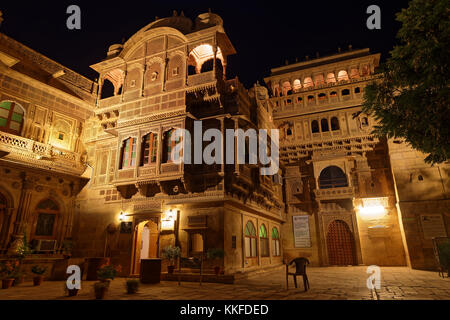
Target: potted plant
x,y
107,272
132,286
100,289
38,271
215,254
7,272
171,253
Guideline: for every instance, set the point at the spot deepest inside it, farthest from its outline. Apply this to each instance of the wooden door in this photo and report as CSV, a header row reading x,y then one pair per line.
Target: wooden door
x,y
340,244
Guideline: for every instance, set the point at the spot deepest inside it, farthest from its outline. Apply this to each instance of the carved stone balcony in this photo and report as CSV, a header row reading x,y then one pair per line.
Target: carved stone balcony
x,y
36,154
335,193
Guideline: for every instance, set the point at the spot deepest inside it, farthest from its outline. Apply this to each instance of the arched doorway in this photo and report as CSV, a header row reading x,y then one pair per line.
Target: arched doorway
x,y
146,246
340,244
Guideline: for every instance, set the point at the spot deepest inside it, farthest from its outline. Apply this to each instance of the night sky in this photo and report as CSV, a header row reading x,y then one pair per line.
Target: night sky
x,y
264,33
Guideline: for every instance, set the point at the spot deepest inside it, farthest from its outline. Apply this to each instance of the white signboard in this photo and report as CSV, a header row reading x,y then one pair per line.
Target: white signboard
x,y
302,237
433,226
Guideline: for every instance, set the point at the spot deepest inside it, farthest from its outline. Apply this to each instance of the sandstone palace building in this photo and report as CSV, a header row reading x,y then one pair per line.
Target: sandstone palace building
x,y
85,165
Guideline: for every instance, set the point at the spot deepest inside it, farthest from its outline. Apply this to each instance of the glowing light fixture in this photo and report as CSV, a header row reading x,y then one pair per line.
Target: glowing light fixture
x,y
168,222
373,208
122,216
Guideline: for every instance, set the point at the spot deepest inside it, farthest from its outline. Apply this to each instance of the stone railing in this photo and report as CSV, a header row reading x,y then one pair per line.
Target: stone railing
x,y
335,193
29,150
201,78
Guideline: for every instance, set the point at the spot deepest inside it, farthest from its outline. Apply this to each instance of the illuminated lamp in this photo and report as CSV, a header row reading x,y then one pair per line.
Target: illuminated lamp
x,y
373,208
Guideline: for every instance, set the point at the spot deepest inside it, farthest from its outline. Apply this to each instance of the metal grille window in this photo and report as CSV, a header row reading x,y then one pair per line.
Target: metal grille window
x,y
275,243
250,240
332,177
264,241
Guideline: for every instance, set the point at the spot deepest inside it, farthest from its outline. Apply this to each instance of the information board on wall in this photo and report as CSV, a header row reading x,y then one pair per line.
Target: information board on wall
x,y
302,237
433,226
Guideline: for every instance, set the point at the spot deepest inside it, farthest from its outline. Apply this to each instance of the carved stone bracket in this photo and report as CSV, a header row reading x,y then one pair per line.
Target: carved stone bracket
x,y
149,188
127,191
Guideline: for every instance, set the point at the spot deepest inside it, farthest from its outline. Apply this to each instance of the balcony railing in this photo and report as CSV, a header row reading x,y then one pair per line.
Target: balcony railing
x,y
335,193
28,150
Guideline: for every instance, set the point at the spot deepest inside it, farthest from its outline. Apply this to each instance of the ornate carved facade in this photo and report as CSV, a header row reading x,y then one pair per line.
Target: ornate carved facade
x,y
89,163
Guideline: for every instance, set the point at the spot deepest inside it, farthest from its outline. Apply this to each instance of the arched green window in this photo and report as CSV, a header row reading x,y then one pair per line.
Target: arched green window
x,y
275,243
250,240
264,241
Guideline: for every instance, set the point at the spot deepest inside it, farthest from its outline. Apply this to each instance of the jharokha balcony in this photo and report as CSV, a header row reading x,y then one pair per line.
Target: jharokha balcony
x,y
45,156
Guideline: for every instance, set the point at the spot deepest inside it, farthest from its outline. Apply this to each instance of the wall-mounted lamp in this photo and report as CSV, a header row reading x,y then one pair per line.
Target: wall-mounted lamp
x,y
373,208
168,221
122,216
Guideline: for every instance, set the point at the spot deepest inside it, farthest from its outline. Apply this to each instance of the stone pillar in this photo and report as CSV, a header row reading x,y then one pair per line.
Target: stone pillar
x,y
20,224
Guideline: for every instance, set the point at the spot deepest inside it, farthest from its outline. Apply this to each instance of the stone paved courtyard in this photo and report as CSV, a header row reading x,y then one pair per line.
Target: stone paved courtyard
x,y
333,283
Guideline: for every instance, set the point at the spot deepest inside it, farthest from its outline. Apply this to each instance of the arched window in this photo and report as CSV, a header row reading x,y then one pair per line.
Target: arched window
x,y
357,90
169,145
318,80
332,177
331,78
250,240
11,117
275,243
333,94
364,121
342,75
308,82
315,126
149,149
286,88
334,124
324,125
289,132
207,66
297,85
47,213
354,73
264,241
322,97
128,153
345,92
311,99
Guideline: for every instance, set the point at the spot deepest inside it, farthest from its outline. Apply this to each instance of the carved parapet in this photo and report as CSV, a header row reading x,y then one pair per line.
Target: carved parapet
x,y
335,193
39,154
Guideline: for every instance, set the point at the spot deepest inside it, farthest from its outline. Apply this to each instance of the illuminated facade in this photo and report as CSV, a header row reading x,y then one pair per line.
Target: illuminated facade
x,y
86,164
363,199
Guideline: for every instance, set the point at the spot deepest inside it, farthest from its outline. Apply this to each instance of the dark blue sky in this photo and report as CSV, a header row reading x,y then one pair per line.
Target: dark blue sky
x,y
264,33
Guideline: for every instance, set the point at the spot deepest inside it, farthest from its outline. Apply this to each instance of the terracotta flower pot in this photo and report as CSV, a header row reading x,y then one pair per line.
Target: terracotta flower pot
x,y
72,292
37,280
7,283
100,293
217,270
170,269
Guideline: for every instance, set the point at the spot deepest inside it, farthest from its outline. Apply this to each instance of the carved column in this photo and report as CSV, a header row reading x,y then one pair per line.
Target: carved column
x,y
20,224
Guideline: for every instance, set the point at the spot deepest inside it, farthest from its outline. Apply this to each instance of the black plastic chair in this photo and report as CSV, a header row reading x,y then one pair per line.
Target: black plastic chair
x,y
300,270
